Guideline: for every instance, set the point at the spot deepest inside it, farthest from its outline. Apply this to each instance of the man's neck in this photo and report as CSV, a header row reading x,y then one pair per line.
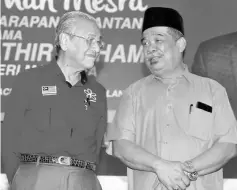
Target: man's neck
x,y
173,75
71,75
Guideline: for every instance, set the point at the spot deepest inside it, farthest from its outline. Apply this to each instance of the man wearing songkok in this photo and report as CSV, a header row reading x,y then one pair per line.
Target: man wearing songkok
x,y
57,114
174,130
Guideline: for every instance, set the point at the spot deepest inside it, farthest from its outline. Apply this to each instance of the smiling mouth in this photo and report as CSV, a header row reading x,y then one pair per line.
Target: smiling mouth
x,y
91,55
155,59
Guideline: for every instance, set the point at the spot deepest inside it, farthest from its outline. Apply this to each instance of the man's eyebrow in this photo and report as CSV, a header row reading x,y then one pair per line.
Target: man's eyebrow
x,y
157,34
94,36
91,34
153,34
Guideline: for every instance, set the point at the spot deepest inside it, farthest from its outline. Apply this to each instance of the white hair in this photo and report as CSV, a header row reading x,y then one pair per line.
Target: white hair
x,y
67,22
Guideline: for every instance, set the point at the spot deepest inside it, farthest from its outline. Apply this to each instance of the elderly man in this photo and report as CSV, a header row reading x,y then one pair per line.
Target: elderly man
x,y
173,129
56,115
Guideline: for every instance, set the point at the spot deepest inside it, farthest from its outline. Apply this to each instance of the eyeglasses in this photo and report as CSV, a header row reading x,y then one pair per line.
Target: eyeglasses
x,y
89,40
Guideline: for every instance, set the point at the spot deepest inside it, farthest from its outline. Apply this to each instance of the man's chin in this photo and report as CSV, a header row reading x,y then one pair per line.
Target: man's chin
x,y
158,70
157,65
89,64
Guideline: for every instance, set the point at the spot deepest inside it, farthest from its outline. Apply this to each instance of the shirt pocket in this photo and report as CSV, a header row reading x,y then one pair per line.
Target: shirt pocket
x,y
200,124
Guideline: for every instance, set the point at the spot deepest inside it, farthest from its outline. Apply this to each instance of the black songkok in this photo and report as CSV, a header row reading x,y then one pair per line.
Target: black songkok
x,y
161,16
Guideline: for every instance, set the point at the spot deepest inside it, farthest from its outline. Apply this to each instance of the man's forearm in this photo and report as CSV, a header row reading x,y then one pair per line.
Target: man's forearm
x,y
214,158
210,170
134,156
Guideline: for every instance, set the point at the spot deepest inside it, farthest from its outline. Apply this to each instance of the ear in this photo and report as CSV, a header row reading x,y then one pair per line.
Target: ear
x,y
181,44
63,41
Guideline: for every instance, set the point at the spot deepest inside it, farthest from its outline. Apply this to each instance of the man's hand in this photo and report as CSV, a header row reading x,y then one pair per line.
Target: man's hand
x,y
187,167
172,176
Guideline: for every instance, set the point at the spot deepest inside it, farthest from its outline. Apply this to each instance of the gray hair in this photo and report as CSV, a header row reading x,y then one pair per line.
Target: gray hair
x,y
67,22
174,33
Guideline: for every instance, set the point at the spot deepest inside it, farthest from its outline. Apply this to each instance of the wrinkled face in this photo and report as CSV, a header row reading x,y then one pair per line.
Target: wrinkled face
x,y
162,52
83,44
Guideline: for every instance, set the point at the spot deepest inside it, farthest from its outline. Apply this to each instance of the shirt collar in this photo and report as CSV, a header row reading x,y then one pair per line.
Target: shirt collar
x,y
187,75
184,74
59,73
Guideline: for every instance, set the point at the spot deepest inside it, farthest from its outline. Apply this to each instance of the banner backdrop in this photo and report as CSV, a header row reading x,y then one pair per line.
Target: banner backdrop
x,y
27,34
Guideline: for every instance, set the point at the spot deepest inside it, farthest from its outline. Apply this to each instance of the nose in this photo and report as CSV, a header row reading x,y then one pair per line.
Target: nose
x,y
151,50
95,46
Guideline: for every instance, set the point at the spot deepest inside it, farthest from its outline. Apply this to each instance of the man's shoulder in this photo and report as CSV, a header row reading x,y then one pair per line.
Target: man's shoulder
x,y
218,42
95,82
30,75
139,84
203,82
